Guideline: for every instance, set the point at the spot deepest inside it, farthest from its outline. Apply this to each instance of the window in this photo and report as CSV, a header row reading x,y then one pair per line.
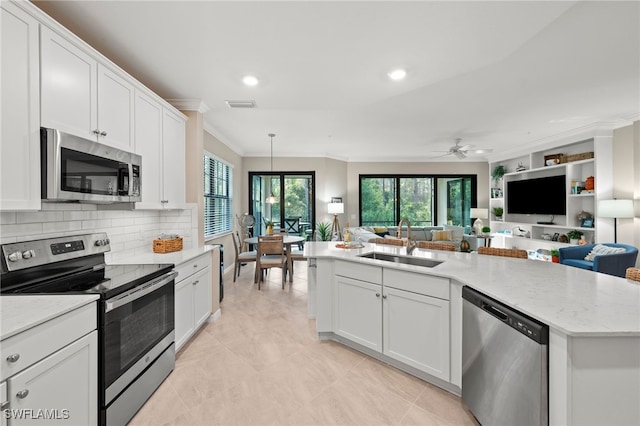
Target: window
x,y
425,200
218,184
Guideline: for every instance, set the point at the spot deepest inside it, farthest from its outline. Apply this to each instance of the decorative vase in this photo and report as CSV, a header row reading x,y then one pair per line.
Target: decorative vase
x,y
269,230
555,259
574,241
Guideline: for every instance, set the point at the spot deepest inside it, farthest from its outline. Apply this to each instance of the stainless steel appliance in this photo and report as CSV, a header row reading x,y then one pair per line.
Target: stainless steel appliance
x,y
504,363
77,169
135,315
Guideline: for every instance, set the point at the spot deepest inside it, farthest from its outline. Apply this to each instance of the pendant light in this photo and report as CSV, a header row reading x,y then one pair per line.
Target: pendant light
x,y
271,199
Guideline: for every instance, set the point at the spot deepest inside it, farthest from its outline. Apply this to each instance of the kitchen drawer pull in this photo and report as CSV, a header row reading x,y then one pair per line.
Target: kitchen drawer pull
x,y
195,265
13,357
22,394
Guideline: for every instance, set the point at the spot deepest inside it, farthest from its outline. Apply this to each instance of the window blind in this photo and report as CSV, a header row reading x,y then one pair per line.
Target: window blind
x,y
218,216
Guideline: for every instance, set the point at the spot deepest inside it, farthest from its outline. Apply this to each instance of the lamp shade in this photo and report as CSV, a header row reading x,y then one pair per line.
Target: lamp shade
x,y
335,208
480,213
615,208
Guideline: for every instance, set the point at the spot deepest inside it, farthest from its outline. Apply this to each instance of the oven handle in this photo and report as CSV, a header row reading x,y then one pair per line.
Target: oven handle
x,y
140,291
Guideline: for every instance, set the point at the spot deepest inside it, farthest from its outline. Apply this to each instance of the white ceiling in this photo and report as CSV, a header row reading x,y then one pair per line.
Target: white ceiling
x,y
499,75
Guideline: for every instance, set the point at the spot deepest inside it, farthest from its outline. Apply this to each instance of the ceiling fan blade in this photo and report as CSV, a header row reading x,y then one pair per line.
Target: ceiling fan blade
x,y
465,147
460,155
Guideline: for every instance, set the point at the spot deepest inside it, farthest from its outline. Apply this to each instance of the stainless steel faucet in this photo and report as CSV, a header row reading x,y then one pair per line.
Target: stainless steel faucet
x,y
410,244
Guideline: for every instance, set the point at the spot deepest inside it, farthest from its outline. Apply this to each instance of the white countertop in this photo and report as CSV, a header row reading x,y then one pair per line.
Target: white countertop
x,y
176,257
21,312
571,300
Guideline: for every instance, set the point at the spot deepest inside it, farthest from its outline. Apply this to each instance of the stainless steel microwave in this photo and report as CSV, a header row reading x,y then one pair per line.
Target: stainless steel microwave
x,y
78,169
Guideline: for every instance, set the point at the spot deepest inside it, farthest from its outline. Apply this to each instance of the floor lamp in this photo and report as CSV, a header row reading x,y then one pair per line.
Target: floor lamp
x,y
616,209
336,209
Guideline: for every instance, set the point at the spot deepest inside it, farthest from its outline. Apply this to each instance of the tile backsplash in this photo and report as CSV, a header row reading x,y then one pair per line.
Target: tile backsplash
x,y
130,231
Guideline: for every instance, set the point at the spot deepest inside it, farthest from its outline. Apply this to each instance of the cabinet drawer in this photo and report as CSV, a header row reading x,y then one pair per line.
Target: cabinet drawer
x,y
358,271
417,283
36,343
192,266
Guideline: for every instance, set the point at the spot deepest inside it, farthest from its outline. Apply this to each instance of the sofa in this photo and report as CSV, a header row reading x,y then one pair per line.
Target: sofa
x,y
594,257
445,234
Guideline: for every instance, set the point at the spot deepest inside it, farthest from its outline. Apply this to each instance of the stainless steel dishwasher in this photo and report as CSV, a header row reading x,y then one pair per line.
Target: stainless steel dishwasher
x,y
504,363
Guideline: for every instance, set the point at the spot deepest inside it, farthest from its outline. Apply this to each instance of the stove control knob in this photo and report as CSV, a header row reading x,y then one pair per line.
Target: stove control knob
x,y
99,243
15,256
28,254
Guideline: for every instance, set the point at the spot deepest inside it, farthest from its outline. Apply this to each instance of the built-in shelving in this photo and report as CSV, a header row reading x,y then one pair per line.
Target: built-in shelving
x,y
534,167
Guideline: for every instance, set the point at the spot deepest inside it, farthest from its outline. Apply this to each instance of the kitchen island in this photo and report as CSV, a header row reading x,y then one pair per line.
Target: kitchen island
x,y
594,320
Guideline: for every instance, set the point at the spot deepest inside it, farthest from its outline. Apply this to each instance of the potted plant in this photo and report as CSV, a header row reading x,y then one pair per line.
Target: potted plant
x,y
324,231
574,236
269,226
555,255
486,231
498,172
498,212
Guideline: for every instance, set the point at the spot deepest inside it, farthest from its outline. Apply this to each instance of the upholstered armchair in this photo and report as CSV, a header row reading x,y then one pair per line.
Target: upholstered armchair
x,y
612,264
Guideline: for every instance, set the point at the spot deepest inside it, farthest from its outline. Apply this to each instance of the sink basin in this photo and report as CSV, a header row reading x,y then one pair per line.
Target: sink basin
x,y
407,260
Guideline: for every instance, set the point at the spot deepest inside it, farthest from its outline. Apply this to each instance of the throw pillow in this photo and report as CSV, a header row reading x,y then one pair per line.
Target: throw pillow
x,y
441,235
599,249
380,231
456,232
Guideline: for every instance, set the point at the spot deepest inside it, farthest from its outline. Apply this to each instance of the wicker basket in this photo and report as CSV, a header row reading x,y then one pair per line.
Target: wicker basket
x,y
553,159
633,274
168,245
578,157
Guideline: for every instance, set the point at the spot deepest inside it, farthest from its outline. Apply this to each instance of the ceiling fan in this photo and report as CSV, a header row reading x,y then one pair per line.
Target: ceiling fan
x,y
461,151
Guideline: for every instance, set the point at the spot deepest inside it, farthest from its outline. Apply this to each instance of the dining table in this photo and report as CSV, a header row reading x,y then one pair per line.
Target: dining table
x,y
288,241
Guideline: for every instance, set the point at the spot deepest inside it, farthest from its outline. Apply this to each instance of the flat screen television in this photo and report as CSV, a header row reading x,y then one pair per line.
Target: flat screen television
x,y
545,196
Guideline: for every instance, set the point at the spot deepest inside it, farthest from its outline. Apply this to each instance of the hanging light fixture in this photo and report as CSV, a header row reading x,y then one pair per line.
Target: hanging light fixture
x,y
271,199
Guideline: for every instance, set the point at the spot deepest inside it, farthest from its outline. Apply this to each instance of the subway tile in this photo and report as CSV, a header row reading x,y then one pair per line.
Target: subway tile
x,y
61,226
80,215
7,218
42,216
18,230
93,224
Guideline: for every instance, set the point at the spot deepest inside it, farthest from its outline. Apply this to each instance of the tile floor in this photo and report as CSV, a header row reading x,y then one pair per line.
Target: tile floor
x,y
260,363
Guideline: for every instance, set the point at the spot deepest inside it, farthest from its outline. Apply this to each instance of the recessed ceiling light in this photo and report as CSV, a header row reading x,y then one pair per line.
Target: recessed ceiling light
x,y
397,74
250,80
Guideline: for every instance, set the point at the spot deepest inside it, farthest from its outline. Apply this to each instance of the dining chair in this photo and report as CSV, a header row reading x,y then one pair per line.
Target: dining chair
x,y
504,252
241,256
271,254
633,274
292,225
435,246
389,241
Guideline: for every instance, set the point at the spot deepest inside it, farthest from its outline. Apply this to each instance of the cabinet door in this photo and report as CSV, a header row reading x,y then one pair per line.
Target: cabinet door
x,y
173,160
64,386
69,86
202,297
20,134
115,109
184,324
416,331
148,142
358,312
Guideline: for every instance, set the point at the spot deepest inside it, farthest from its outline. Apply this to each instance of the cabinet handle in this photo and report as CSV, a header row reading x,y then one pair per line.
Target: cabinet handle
x,y
22,394
377,294
103,133
96,132
13,358
164,201
195,266
384,296
196,282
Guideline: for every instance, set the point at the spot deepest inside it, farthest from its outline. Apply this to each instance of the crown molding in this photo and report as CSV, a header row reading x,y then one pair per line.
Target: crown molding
x,y
189,105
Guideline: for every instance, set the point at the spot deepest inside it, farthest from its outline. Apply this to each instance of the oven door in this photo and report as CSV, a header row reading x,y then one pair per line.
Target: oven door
x,y
138,327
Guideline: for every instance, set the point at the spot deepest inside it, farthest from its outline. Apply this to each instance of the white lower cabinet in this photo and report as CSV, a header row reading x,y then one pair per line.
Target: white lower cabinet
x,y
60,389
50,371
416,331
192,297
403,315
358,312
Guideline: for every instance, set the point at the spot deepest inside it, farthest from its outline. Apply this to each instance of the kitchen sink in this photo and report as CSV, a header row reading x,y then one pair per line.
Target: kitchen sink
x,y
407,260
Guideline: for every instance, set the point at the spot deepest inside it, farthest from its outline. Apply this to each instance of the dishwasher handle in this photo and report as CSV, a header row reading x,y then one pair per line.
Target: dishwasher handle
x,y
494,311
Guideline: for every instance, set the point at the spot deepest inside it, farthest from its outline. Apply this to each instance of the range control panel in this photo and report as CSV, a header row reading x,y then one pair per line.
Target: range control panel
x,y
27,254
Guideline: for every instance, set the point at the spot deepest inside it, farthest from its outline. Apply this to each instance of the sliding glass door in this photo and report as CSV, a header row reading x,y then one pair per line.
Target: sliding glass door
x,y
294,209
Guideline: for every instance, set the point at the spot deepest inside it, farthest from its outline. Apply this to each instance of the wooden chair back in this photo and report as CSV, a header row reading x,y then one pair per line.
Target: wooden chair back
x,y
430,245
633,274
389,241
270,244
495,251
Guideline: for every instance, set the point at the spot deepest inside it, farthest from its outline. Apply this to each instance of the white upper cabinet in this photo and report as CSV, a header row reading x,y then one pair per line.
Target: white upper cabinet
x,y
160,140
20,135
81,96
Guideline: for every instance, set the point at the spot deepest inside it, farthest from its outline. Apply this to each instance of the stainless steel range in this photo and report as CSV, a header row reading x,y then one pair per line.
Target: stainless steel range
x,y
135,315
